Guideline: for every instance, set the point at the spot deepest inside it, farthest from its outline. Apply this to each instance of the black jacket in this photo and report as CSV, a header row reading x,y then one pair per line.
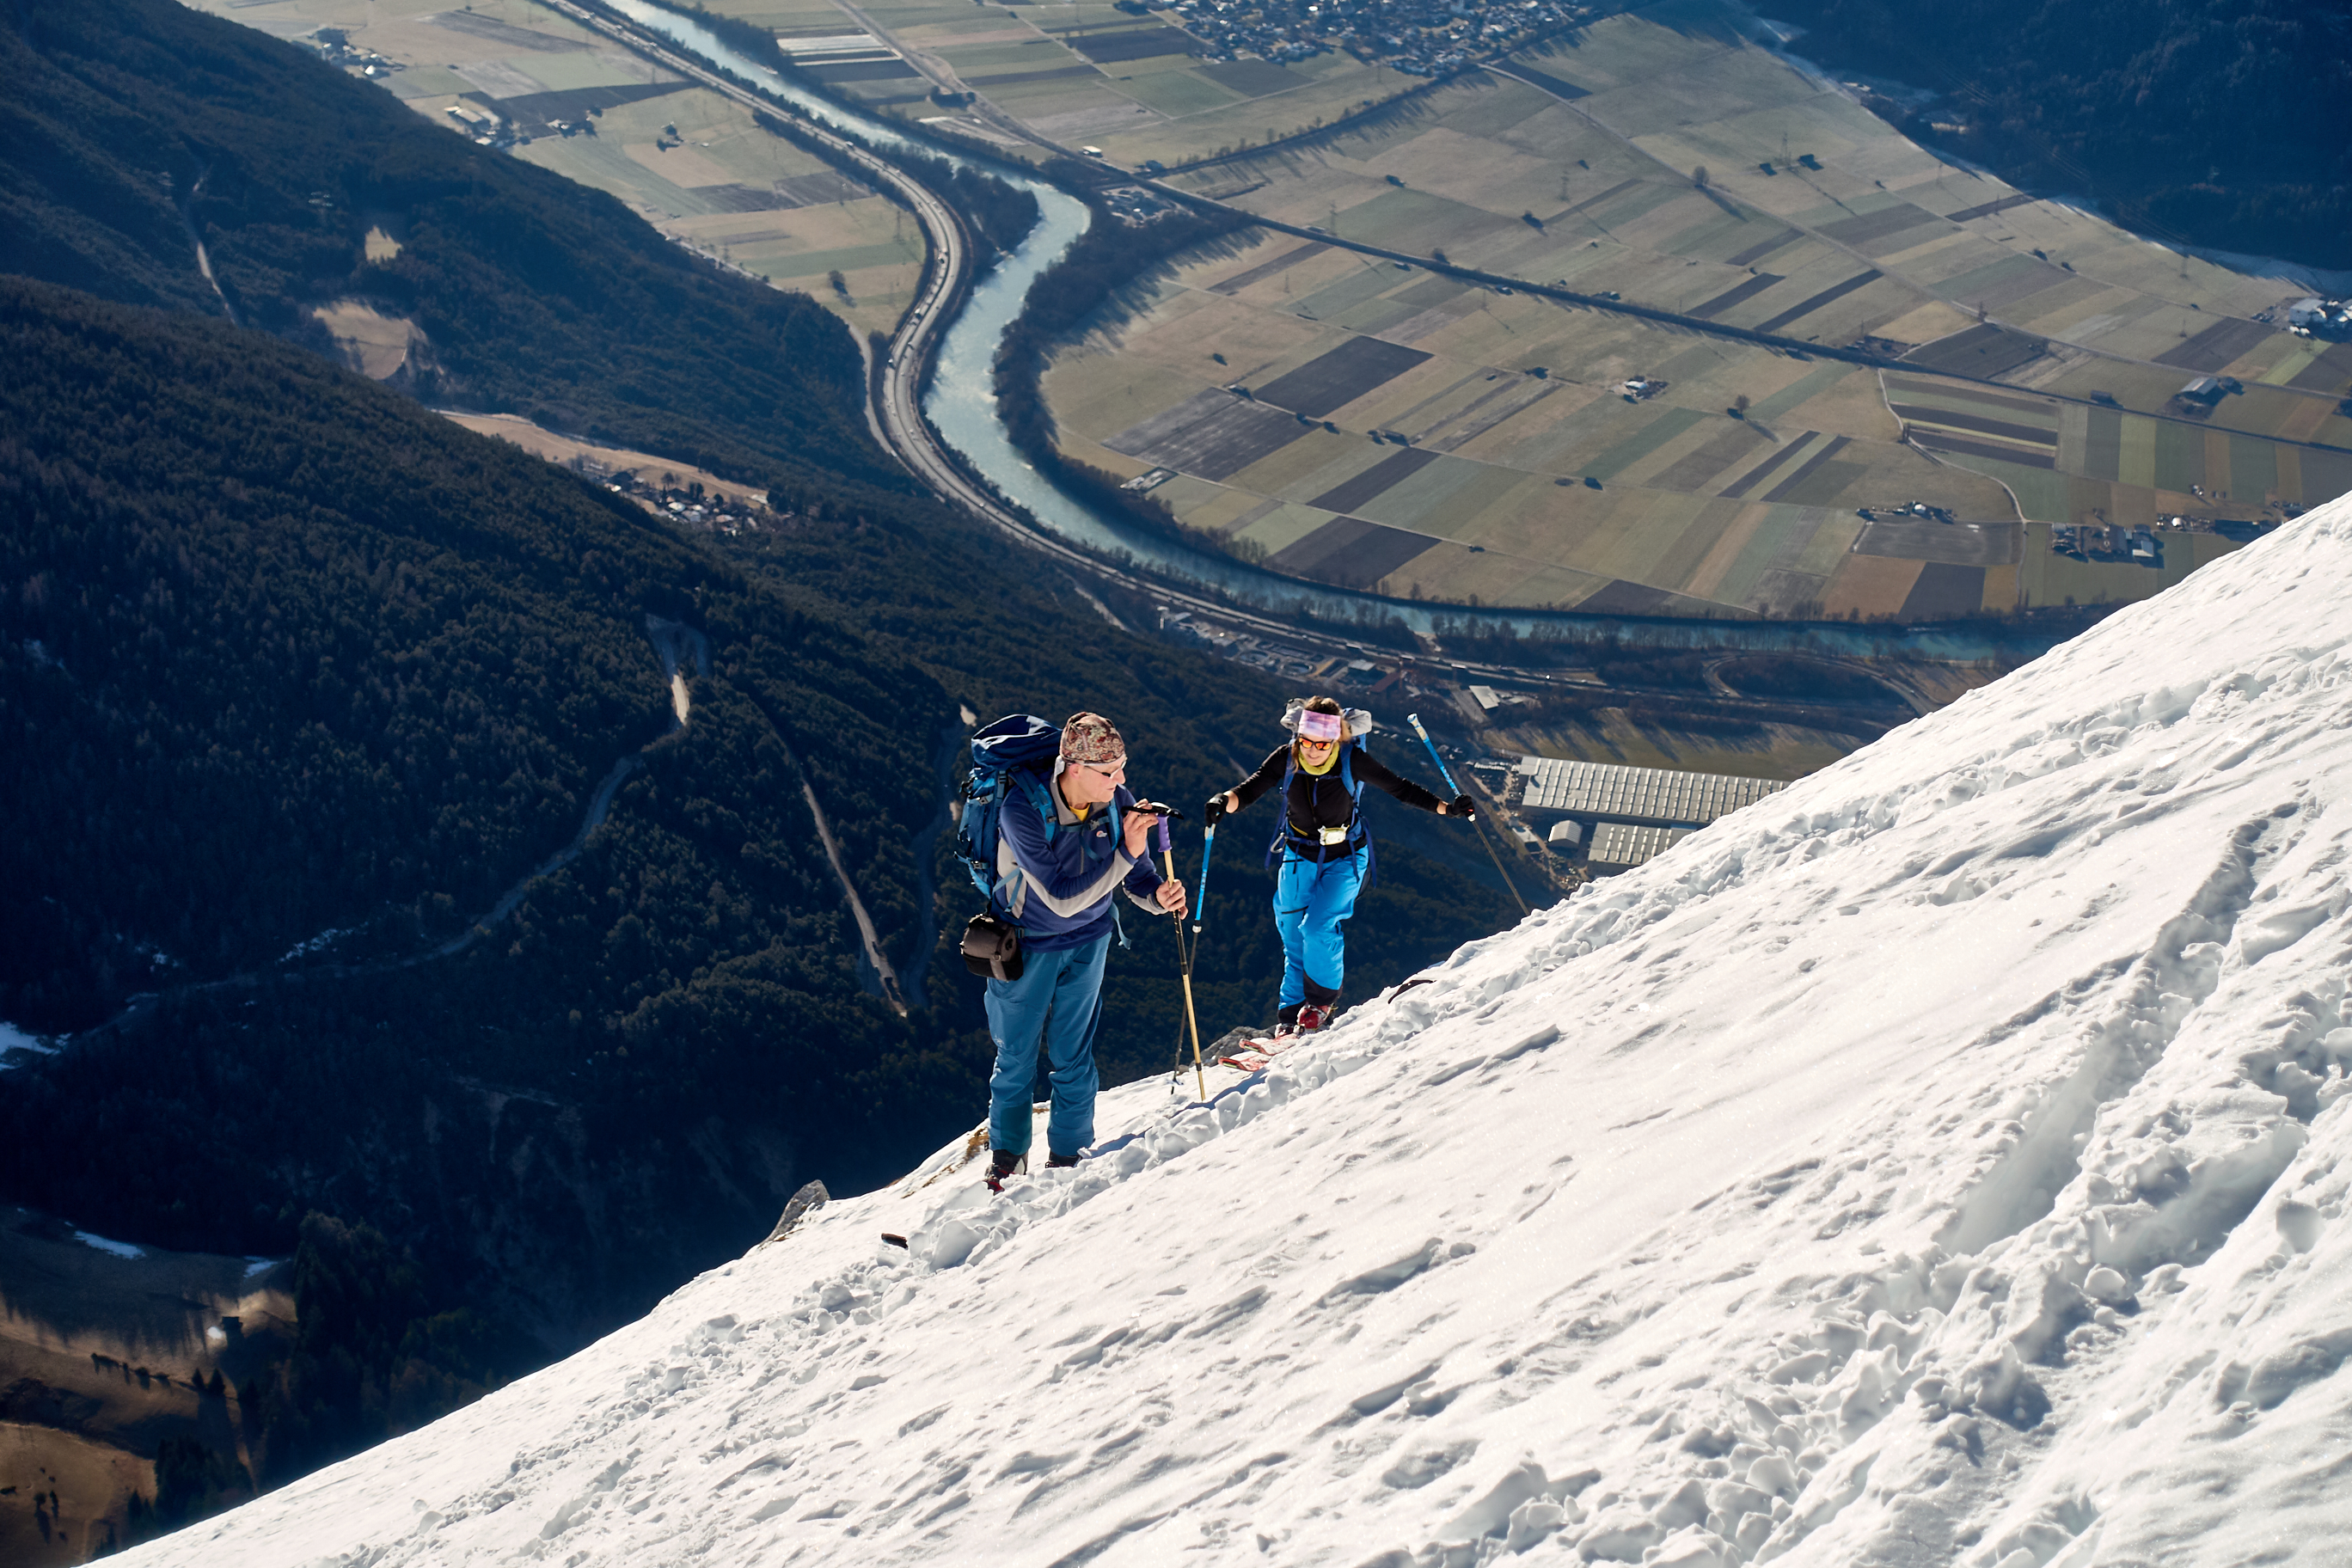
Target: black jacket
x,y
1320,801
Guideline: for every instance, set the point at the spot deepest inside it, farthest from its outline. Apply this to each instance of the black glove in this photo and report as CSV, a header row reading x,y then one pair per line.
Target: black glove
x,y
1214,812
1464,807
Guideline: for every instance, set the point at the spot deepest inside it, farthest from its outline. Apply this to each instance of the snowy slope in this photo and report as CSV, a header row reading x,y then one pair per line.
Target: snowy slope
x,y
1939,1162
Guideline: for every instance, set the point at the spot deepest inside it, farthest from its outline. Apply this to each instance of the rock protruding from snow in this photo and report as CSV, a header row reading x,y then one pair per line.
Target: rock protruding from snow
x,y
811,1197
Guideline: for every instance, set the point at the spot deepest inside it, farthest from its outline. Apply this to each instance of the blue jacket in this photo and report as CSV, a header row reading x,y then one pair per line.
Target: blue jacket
x,y
1059,892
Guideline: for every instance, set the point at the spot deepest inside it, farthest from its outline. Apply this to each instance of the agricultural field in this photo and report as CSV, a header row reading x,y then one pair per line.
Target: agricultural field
x,y
565,451
1358,421
717,183
1411,434
1376,421
1083,73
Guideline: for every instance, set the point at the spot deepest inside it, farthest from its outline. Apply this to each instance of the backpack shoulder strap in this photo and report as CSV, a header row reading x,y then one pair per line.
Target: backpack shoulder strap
x,y
1008,889
1033,784
1282,807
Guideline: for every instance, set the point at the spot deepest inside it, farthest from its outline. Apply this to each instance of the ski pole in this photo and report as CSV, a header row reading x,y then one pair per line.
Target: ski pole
x,y
1200,893
1188,956
1176,1062
1447,774
1185,968
1184,952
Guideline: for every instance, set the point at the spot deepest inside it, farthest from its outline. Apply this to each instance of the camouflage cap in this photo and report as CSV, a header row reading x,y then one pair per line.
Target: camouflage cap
x,y
1090,738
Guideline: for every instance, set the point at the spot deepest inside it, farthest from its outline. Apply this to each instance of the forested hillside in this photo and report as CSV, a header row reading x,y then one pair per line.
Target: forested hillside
x,y
2225,122
131,129
283,657
295,677
280,650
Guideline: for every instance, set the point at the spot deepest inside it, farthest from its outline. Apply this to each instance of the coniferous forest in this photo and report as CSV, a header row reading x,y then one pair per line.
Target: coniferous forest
x,y
132,125
297,680
2223,123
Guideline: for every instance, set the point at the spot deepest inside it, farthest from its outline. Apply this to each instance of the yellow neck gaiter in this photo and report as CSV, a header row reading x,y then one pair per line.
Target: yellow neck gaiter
x,y
1306,767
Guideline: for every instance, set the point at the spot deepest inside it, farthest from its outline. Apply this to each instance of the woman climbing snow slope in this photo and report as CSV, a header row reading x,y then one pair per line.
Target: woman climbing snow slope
x,y
1322,855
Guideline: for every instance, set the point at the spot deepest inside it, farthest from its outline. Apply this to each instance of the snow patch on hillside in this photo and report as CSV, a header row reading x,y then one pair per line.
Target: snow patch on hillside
x,y
13,1039
1940,1162
118,1248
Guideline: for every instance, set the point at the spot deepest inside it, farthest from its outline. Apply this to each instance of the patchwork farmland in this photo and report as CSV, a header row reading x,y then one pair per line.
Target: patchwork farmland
x,y
1524,450
1489,454
1084,72
1338,399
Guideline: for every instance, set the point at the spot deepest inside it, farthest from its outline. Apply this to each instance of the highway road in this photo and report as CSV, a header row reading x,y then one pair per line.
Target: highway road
x,y
896,392
899,380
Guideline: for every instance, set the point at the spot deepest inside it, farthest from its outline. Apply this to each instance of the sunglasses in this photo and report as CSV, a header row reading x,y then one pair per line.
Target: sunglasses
x,y
1111,772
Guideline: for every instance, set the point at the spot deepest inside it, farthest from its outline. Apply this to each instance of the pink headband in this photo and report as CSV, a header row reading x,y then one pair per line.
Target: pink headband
x,y
1314,726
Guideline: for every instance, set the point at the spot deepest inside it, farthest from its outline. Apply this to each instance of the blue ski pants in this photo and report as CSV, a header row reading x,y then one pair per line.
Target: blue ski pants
x,y
1056,1004
1310,901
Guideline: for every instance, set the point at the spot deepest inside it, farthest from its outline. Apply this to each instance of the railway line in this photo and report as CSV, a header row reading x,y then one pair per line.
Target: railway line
x,y
898,379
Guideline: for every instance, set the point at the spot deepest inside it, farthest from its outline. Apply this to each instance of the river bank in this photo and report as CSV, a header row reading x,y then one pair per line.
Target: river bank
x,y
960,406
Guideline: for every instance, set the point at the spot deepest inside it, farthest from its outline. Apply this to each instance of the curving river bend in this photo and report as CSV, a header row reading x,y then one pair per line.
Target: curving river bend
x,y
961,406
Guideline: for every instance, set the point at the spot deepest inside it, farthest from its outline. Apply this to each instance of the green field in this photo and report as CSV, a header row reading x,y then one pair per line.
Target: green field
x,y
1083,73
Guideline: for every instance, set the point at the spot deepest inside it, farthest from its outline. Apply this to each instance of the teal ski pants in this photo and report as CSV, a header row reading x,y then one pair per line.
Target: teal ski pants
x,y
1310,902
1057,1004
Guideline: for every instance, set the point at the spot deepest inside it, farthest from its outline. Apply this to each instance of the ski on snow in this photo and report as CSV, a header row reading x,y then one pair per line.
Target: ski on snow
x,y
1251,1056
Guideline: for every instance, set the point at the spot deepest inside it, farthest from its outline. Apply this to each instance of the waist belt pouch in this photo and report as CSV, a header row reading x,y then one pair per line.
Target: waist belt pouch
x,y
1336,835
992,947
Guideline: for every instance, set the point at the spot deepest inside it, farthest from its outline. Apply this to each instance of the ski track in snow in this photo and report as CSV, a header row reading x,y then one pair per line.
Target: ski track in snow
x,y
1940,1162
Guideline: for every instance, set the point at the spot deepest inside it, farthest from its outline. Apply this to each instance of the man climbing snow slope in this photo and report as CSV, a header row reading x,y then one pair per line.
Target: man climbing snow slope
x,y
1323,853
1068,836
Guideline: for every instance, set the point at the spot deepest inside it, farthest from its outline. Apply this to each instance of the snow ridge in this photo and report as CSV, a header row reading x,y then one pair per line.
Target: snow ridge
x,y
1941,1161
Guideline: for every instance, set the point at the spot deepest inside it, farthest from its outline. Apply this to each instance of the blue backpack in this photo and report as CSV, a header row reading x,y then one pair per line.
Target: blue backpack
x,y
1016,752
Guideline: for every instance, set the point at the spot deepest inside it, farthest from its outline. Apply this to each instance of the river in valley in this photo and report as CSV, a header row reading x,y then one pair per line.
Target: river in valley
x,y
961,406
